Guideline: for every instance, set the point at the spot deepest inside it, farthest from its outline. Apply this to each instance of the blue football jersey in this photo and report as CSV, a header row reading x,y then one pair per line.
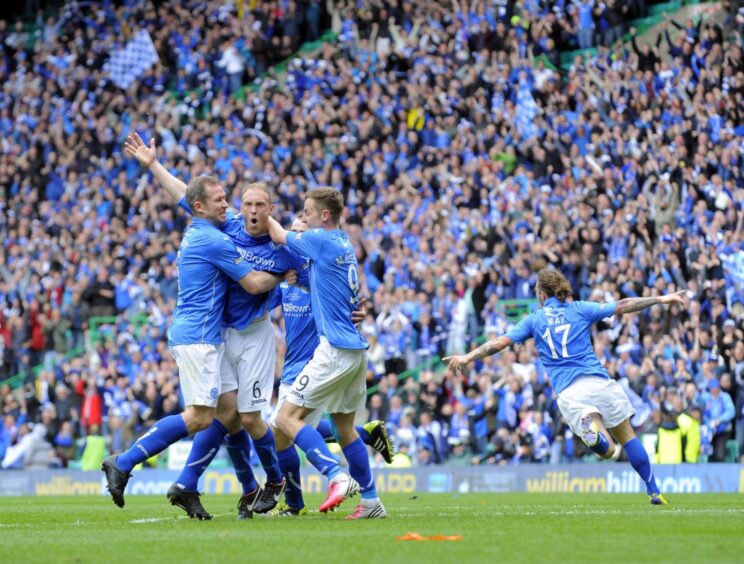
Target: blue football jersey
x,y
334,284
302,336
562,334
207,258
241,307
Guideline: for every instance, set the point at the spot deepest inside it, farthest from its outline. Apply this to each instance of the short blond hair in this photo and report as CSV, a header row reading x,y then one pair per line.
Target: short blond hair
x,y
261,187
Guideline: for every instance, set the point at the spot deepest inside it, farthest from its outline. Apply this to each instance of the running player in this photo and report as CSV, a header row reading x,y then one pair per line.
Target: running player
x,y
590,401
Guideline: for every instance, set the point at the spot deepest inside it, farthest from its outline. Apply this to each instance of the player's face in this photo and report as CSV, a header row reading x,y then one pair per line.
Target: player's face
x,y
311,215
214,206
256,209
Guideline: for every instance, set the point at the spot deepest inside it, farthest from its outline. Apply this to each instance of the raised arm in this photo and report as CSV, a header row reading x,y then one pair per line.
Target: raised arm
x,y
632,305
146,155
486,349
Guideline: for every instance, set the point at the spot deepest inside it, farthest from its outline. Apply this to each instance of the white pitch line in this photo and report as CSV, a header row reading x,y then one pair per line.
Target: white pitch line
x,y
159,519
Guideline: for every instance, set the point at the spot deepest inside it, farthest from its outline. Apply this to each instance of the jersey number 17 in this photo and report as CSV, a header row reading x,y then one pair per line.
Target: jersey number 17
x,y
563,331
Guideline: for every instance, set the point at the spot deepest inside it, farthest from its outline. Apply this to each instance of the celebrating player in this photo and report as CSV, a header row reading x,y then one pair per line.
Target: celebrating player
x,y
588,398
301,341
334,380
247,368
206,259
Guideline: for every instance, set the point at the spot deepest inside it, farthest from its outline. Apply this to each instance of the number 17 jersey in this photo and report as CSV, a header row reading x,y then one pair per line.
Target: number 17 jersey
x,y
334,284
562,333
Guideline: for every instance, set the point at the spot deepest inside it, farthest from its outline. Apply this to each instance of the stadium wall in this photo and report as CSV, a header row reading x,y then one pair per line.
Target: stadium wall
x,y
566,478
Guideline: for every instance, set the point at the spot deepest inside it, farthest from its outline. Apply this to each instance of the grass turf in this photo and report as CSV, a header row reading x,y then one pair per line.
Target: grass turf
x,y
494,527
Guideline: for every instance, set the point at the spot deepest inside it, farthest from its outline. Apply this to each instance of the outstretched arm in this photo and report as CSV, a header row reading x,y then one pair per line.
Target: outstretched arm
x,y
632,305
486,349
146,155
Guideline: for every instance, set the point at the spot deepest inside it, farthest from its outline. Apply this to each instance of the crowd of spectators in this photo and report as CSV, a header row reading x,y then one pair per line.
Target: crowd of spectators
x,y
468,161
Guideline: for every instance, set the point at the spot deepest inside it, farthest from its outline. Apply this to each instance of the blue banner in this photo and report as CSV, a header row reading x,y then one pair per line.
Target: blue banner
x,y
536,478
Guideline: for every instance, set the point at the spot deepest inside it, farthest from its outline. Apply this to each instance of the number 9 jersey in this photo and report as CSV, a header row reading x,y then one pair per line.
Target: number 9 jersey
x,y
562,333
334,284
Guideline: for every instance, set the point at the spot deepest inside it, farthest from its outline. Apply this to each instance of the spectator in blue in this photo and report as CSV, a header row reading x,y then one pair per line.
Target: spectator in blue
x,y
718,416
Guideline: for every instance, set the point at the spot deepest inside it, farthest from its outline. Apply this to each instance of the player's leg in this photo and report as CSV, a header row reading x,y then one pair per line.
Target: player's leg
x,y
581,405
638,458
256,363
199,374
184,492
263,441
207,442
355,452
289,463
373,434
290,422
594,434
616,412
353,399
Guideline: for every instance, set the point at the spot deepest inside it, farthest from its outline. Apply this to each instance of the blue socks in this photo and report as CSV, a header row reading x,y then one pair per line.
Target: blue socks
x,y
638,458
314,447
160,436
325,428
602,444
239,451
267,454
363,434
289,462
205,447
356,455
326,431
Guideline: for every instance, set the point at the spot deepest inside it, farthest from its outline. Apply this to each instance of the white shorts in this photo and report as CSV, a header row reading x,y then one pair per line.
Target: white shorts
x,y
594,395
249,365
199,372
313,419
334,380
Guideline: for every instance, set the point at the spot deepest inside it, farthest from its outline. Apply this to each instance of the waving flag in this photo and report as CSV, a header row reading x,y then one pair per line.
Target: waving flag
x,y
132,61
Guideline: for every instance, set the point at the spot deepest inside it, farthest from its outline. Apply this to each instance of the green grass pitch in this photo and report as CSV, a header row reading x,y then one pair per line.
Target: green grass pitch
x,y
495,528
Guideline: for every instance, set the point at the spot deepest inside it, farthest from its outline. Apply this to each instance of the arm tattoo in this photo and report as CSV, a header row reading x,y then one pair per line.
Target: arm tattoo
x,y
486,349
630,305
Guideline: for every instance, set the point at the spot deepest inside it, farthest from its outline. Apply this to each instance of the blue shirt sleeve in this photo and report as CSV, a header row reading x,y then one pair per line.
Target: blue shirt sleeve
x,y
184,206
223,253
307,244
521,331
594,312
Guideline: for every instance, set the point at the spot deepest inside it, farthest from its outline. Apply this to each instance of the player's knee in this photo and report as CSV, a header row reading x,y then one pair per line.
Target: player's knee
x,y
198,419
284,423
252,422
280,439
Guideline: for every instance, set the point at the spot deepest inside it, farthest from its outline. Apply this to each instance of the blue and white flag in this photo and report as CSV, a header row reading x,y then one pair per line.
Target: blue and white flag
x,y
132,61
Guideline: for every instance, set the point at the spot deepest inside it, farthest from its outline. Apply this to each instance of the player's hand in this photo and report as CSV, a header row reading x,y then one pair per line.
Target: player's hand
x,y
455,363
358,315
675,298
135,147
290,277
